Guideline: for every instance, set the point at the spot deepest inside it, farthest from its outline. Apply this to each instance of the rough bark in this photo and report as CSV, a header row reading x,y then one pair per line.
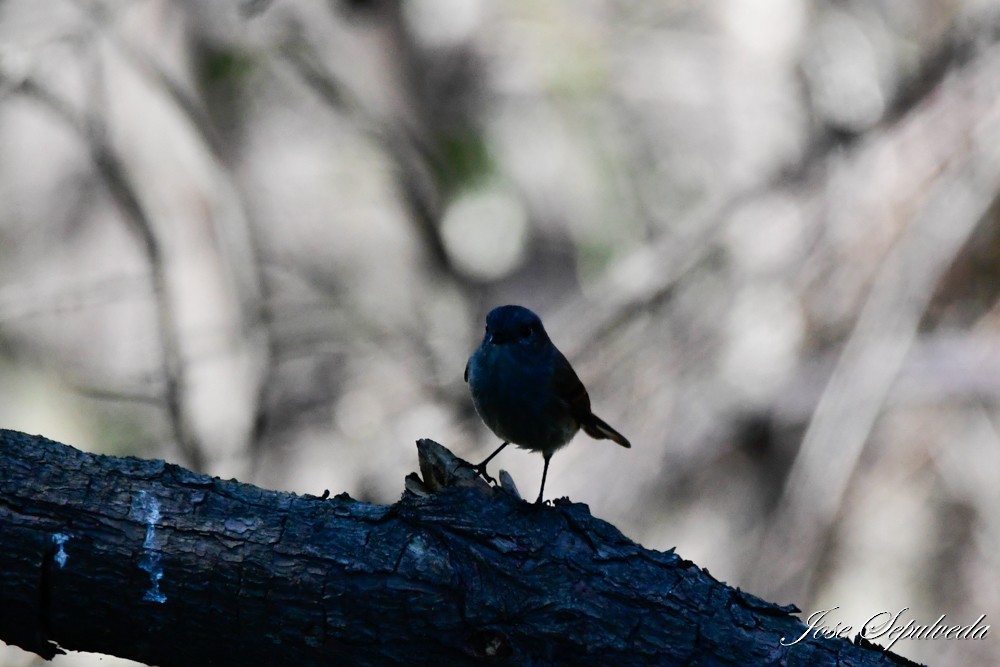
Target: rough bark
x,y
149,561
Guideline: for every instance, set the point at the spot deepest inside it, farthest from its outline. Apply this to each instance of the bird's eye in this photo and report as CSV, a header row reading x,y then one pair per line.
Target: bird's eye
x,y
525,331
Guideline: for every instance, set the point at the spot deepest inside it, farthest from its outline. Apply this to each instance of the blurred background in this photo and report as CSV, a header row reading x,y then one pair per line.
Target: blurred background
x,y
259,238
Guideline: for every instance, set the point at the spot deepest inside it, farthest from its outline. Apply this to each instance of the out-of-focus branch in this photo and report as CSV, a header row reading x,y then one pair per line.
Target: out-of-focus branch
x,y
887,326
648,275
19,303
413,158
91,131
938,369
238,239
100,15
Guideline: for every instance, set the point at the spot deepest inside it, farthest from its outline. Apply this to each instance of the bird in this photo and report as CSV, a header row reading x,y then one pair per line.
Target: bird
x,y
526,392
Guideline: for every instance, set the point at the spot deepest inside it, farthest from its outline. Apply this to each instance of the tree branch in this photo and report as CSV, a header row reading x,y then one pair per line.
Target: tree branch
x,y
149,561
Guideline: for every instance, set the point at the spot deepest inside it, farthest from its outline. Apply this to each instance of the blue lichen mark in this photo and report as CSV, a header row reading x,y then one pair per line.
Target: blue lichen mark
x,y
60,557
146,509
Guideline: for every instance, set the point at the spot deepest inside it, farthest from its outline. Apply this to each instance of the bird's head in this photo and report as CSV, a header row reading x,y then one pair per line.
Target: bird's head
x,y
515,325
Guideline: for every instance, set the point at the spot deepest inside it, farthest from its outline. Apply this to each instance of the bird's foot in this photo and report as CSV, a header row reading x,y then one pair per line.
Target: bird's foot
x,y
480,469
529,508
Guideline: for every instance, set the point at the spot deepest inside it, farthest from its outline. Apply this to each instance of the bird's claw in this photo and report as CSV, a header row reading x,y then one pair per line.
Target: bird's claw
x,y
480,469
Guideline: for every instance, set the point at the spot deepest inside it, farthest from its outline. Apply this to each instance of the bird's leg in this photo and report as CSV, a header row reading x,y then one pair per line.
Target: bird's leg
x,y
480,468
545,471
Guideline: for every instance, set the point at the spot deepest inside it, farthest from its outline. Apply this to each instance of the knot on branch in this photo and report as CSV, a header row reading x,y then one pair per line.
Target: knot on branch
x,y
439,468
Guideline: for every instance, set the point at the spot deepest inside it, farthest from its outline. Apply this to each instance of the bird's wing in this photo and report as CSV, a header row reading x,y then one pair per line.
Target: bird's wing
x,y
569,390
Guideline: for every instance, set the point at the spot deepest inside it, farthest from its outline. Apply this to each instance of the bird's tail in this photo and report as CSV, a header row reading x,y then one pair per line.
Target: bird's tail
x,y
599,429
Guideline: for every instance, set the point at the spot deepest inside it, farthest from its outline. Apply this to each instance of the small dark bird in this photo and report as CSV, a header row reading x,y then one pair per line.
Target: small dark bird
x,y
525,390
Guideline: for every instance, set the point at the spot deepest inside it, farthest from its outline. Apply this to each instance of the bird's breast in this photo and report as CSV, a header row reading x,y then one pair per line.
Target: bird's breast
x,y
512,392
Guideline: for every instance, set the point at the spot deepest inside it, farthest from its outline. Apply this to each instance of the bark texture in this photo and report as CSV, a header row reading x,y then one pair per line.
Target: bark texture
x,y
149,561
